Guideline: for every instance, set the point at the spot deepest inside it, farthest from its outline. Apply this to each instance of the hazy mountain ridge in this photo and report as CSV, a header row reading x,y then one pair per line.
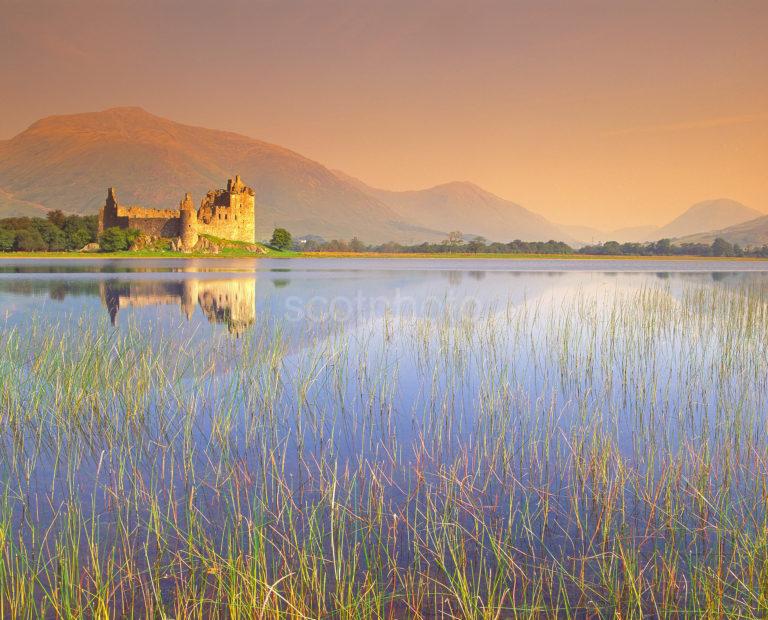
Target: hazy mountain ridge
x,y
706,216
747,234
464,206
630,234
702,217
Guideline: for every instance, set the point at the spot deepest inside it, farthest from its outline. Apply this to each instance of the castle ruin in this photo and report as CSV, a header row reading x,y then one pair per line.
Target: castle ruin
x,y
225,213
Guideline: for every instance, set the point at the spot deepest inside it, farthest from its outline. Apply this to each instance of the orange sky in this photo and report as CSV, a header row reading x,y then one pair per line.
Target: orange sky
x,y
607,113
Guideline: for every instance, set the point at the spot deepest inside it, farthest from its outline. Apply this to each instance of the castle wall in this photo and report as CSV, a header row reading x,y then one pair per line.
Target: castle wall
x,y
155,226
108,218
143,213
229,225
155,222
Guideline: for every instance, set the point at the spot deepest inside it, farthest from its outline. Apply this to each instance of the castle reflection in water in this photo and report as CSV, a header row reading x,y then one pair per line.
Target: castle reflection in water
x,y
229,302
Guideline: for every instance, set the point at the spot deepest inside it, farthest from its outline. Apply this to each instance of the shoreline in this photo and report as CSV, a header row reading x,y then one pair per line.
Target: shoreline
x,y
364,255
490,256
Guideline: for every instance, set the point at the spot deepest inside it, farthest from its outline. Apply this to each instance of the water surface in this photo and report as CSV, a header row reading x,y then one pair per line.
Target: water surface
x,y
540,393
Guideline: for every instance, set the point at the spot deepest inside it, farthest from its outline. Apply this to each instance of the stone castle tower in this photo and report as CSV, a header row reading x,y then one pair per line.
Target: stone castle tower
x,y
229,213
188,223
225,213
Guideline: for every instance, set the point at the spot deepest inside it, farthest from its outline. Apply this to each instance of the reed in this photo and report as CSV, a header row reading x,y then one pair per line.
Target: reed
x,y
604,458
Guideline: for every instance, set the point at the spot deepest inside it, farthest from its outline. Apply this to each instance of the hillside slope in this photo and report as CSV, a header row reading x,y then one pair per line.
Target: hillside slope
x,y
590,235
67,162
468,208
707,216
699,219
751,233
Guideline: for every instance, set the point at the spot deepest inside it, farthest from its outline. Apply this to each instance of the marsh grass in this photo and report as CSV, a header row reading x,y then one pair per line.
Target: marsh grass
x,y
606,458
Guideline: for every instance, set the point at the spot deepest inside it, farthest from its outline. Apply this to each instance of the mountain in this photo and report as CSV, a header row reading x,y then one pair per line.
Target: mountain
x,y
68,162
10,206
751,233
706,216
589,235
700,218
636,234
466,207
585,234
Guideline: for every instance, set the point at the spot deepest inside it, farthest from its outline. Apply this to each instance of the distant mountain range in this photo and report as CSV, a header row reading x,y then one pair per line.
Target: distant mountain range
x,y
751,233
700,218
67,162
590,235
708,215
466,207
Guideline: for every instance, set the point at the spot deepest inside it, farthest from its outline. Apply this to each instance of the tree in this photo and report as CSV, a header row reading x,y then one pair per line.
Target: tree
x,y
476,245
281,239
117,239
720,247
30,240
7,239
56,217
79,231
55,238
92,224
663,247
78,238
355,245
455,238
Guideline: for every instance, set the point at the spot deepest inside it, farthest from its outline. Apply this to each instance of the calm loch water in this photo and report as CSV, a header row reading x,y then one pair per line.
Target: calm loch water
x,y
213,296
558,406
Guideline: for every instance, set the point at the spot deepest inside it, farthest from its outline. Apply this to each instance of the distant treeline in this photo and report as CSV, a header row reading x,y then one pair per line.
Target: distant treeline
x,y
56,232
59,232
476,246
664,247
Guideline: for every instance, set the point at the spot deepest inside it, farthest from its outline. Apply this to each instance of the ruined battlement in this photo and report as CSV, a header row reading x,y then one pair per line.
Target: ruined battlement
x,y
226,213
145,213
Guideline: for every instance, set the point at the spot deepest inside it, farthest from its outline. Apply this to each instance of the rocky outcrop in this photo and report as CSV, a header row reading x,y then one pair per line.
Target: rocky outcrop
x,y
145,242
202,246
